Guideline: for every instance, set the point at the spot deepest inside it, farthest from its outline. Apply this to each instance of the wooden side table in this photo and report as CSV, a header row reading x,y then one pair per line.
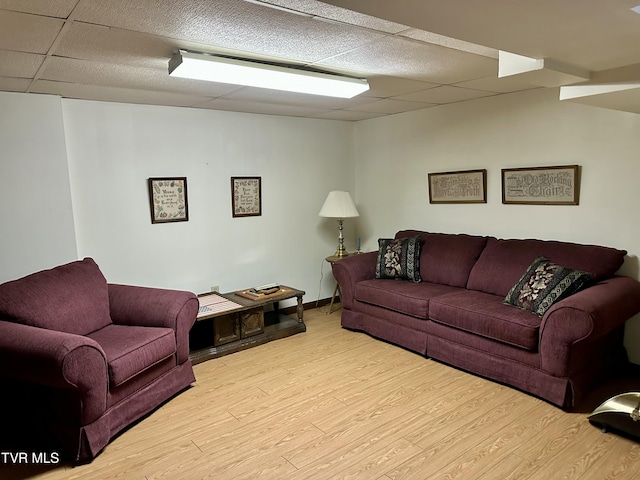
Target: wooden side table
x,y
245,325
333,259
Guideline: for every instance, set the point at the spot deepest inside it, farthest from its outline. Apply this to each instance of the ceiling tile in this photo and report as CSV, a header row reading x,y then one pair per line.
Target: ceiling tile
x,y
348,115
27,33
234,24
389,106
112,94
19,64
57,8
257,107
398,57
10,84
381,86
120,49
592,34
498,85
263,95
338,14
114,45
444,94
87,41
126,76
435,39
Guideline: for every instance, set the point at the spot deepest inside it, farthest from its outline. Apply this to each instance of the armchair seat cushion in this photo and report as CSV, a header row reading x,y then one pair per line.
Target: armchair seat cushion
x,y
131,350
486,315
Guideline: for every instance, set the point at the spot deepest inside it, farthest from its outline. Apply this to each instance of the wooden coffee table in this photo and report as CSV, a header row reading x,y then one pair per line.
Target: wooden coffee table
x,y
236,323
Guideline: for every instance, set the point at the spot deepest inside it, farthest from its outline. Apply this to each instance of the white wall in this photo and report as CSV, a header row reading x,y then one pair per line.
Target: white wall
x,y
394,154
74,179
114,148
37,229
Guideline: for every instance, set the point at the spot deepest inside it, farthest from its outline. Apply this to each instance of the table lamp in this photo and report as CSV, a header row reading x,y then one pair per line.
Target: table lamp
x,y
339,205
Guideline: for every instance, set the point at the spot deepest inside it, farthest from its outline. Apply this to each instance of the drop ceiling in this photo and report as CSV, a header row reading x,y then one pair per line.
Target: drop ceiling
x,y
415,54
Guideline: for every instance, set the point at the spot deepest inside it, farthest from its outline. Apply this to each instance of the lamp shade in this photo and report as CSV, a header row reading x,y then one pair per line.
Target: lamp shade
x,y
339,205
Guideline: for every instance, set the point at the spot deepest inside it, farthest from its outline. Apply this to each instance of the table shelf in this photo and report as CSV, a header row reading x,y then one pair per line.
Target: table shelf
x,y
251,323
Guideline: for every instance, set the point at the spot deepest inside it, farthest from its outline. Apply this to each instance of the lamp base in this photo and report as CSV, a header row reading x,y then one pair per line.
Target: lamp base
x,y
341,252
620,414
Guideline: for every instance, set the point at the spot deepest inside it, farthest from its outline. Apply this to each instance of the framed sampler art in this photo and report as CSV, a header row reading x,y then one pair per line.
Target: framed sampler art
x,y
468,186
246,196
168,199
541,185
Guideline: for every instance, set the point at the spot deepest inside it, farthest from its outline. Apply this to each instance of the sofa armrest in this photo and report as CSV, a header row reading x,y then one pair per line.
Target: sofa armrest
x,y
584,318
56,359
155,307
351,270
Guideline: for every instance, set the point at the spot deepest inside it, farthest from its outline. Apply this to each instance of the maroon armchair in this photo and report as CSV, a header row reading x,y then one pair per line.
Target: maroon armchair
x,y
81,359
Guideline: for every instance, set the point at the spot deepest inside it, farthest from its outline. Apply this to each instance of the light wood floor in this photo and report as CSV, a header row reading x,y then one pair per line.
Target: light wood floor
x,y
334,404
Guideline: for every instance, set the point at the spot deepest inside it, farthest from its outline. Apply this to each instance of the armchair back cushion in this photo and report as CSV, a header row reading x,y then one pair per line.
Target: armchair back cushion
x,y
503,262
71,298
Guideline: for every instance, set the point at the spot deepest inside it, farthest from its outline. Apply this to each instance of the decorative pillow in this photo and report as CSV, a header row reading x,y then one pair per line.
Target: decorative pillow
x,y
545,283
399,258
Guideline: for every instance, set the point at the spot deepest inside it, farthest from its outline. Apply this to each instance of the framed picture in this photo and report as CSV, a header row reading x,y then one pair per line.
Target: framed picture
x,y
246,196
469,186
541,185
168,199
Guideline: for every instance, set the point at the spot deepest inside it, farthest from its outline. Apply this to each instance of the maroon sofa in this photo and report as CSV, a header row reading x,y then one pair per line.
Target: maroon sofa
x,y
81,359
456,313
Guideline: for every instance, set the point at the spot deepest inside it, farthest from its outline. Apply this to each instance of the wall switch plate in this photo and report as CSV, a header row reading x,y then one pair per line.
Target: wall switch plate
x,y
215,288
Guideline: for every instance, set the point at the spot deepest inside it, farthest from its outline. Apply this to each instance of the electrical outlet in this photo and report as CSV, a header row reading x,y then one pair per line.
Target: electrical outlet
x,y
215,288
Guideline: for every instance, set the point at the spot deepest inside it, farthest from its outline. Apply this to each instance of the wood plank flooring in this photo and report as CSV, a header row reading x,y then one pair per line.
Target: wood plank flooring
x,y
334,404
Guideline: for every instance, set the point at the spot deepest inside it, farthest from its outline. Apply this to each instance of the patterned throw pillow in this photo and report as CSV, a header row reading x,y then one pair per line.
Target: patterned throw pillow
x,y
399,258
545,283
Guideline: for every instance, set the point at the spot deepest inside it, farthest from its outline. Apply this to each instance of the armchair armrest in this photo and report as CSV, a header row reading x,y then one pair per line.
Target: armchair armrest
x,y
584,318
56,359
155,307
351,270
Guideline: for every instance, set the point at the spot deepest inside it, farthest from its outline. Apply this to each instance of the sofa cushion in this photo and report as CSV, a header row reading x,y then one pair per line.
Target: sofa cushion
x,y
545,283
71,298
403,297
399,258
486,315
447,258
502,262
131,350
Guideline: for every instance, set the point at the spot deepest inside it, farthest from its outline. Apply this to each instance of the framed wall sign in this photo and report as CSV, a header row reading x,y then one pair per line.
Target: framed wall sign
x,y
469,186
246,196
168,199
541,185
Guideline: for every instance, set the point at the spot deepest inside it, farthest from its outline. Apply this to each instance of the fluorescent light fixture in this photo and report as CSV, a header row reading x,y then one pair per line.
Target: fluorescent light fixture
x,y
217,68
